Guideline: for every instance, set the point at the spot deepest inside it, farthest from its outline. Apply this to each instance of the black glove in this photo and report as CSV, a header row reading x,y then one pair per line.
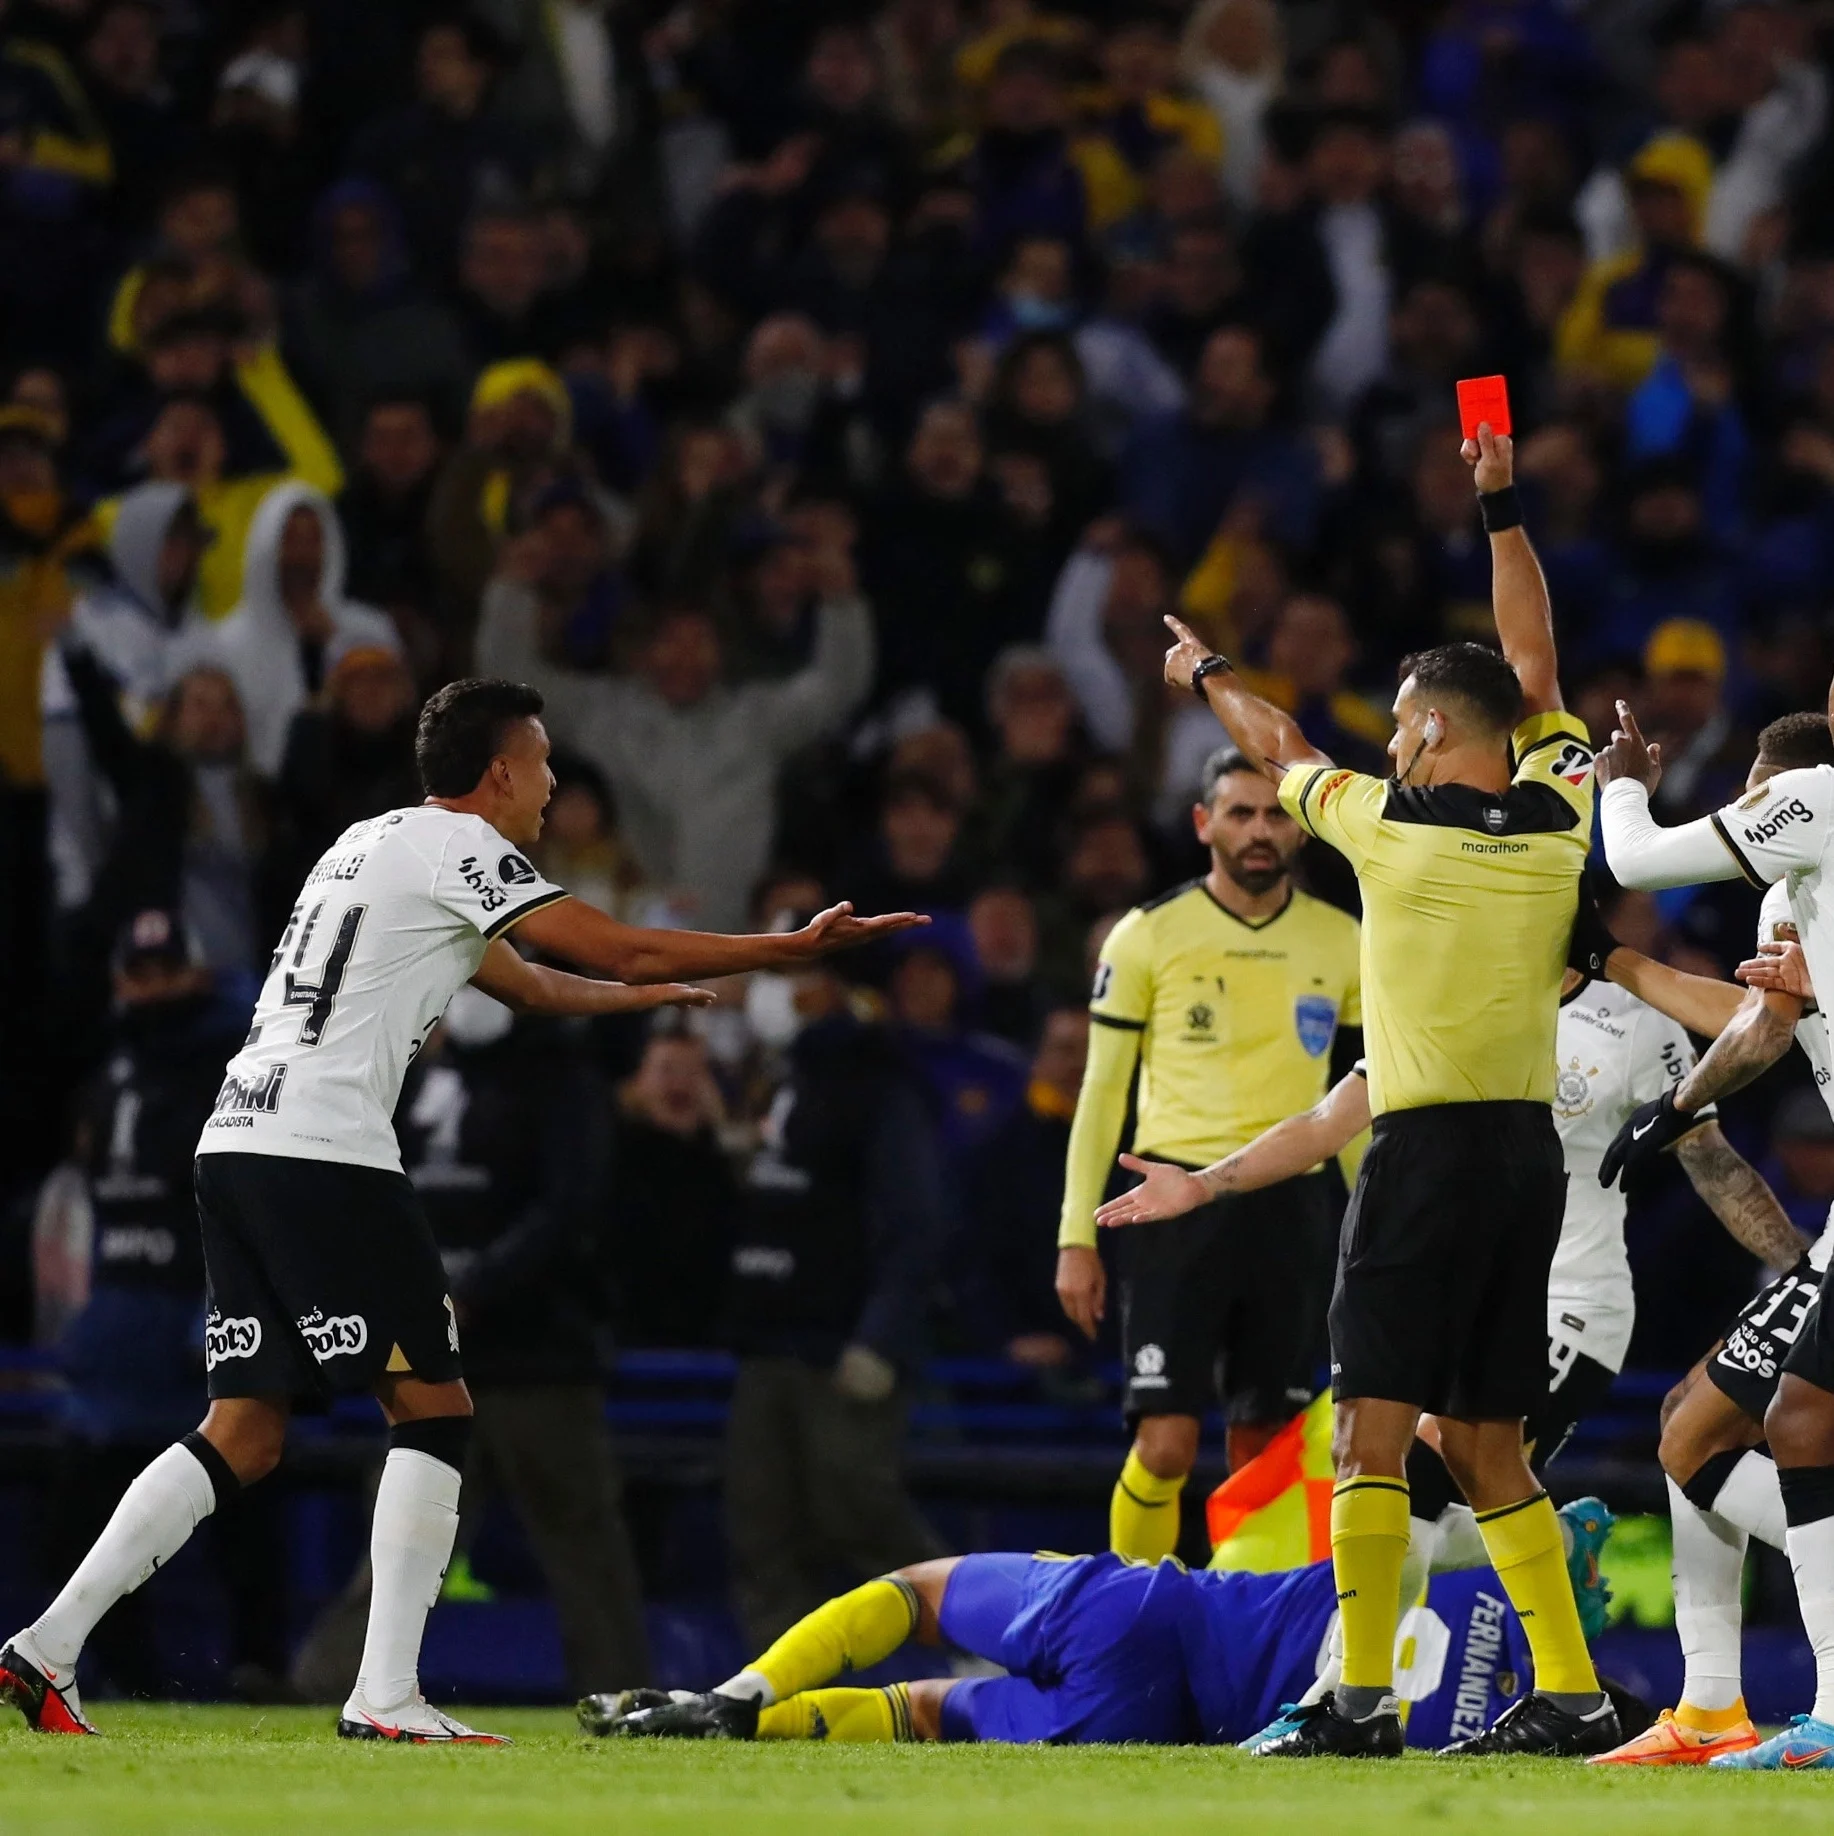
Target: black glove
x,y
1591,942
1651,1129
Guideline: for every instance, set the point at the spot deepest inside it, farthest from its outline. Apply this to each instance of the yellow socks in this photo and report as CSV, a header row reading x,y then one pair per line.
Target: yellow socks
x,y
1530,1559
840,1714
851,1632
1369,1529
1143,1513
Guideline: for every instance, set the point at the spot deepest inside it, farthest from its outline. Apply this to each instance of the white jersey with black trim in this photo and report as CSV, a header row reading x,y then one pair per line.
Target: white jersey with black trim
x,y
1811,1036
390,924
1612,1053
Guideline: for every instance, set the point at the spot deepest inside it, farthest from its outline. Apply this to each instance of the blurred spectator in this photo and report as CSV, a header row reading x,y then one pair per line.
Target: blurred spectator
x,y
580,847
383,511
356,327
915,862
293,621
693,762
666,1246
132,1359
1310,653
1800,1165
1003,923
138,109
1666,565
557,577
836,1239
1705,752
501,300
131,624
1038,751
1181,475
1433,340
1232,55
1008,1247
1039,408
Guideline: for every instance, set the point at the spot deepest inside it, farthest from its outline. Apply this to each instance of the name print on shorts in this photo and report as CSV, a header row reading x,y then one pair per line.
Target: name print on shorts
x,y
224,1339
342,1335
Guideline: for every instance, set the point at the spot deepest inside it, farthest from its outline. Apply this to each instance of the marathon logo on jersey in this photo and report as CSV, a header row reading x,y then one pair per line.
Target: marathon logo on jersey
x,y
490,895
1795,810
225,1339
342,1335
1482,1668
246,1097
513,870
1149,1368
1315,1020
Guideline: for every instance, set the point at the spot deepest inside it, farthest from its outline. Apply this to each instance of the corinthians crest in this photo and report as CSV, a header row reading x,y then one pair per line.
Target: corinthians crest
x,y
1573,1090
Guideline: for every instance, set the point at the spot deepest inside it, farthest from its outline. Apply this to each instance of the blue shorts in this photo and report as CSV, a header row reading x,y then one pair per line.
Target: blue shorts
x,y
1092,1644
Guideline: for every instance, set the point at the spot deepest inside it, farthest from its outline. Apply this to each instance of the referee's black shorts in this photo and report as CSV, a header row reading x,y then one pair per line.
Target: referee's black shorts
x,y
1441,1296
1228,1303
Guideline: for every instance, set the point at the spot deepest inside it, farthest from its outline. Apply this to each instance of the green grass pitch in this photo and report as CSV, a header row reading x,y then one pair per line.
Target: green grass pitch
x,y
224,1771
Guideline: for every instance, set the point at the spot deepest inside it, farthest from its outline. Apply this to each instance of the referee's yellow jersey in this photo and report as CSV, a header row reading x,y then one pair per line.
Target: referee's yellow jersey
x,y
1230,1023
1468,903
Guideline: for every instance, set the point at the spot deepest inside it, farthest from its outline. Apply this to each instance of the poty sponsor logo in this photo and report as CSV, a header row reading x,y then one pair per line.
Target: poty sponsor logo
x,y
229,1339
1793,811
343,1335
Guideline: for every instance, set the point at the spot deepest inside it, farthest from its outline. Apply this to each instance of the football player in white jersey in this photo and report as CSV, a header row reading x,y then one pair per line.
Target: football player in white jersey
x,y
321,1272
1780,832
1614,1052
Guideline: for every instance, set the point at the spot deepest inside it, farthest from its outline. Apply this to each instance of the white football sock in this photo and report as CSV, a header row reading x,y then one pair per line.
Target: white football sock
x,y
1419,1562
1752,1498
1709,1570
1811,1556
749,1686
153,1521
410,1543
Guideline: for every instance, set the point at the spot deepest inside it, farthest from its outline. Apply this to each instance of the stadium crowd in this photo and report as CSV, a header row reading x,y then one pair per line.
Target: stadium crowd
x,y
822,406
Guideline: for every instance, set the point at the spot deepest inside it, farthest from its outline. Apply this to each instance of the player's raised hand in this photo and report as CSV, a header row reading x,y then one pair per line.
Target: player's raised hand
x,y
838,929
1779,967
1629,755
1165,1192
1492,458
1185,655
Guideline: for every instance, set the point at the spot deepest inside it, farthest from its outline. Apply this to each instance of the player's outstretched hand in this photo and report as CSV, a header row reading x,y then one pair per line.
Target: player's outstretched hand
x,y
1165,1192
676,994
1185,655
1492,458
1647,1132
1629,755
838,929
1780,967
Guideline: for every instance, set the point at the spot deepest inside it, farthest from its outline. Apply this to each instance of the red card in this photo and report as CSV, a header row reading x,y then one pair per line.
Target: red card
x,y
1483,398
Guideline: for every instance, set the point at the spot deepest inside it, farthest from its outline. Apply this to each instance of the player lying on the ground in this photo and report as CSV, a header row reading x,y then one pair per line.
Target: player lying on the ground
x,y
1779,832
1100,1649
321,1272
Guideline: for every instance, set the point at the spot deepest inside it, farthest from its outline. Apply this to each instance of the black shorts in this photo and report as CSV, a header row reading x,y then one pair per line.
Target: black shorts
x,y
1441,1296
1770,1327
1229,1301
319,1277
1812,1356
1576,1386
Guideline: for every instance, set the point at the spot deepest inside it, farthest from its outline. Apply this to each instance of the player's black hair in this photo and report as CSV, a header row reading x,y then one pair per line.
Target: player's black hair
x,y
1224,762
1473,674
461,730
1796,742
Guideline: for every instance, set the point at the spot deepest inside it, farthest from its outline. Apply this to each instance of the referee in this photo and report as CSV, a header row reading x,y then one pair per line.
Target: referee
x,y
1225,994
1469,860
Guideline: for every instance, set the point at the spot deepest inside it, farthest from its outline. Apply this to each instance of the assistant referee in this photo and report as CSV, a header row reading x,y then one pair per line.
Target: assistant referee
x,y
1469,860
1226,994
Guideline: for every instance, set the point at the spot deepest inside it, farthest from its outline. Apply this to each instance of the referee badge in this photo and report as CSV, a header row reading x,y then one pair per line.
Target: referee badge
x,y
1315,1019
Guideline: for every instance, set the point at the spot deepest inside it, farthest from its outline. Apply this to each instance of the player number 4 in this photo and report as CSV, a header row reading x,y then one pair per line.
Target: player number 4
x,y
319,997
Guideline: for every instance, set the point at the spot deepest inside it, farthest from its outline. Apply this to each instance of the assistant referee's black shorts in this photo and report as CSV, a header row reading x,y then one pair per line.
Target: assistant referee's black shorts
x,y
1228,1303
1441,1296
319,1277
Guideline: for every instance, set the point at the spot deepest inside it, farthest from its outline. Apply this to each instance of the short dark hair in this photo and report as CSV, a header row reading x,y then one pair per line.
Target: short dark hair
x,y
1474,674
461,730
1796,742
1224,762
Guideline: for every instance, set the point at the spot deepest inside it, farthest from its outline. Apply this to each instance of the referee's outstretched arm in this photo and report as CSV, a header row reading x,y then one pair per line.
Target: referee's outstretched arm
x,y
1269,738
1524,615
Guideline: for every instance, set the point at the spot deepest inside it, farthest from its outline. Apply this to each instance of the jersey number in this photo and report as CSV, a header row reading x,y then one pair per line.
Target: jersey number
x,y
319,997
1801,1295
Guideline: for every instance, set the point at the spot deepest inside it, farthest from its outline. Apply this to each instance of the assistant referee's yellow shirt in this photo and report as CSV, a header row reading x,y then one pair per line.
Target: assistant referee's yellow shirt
x,y
1229,1021
1468,904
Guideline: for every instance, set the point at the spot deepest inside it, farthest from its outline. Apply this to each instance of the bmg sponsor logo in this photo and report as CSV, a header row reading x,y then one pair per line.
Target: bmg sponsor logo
x,y
1793,811
225,1339
340,1335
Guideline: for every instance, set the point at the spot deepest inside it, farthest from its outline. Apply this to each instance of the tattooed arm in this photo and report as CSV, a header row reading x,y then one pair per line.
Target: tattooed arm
x,y
1754,1039
1736,1195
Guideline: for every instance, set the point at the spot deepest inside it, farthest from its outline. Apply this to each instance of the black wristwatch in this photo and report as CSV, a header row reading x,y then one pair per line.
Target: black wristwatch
x,y
1212,665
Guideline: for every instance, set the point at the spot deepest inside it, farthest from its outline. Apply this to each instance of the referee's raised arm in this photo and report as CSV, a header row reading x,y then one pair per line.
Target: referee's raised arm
x,y
1518,588
1268,737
